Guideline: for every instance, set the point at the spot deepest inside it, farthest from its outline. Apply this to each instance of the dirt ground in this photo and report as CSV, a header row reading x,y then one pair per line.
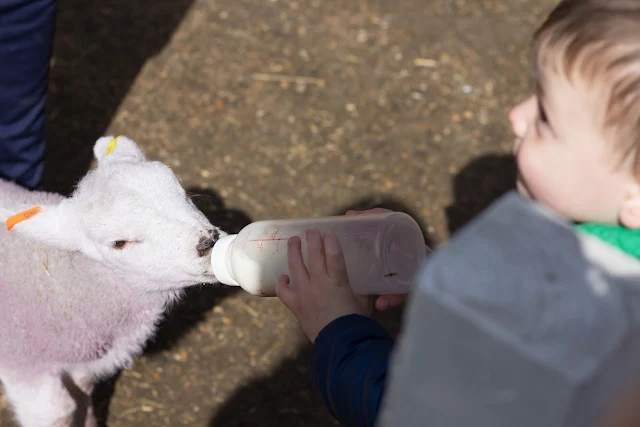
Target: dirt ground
x,y
279,109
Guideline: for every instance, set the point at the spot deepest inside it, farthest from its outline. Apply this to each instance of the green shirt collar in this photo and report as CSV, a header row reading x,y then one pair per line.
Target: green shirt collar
x,y
625,239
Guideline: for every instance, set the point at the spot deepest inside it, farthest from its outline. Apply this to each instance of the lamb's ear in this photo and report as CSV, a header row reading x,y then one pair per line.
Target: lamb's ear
x,y
52,225
118,148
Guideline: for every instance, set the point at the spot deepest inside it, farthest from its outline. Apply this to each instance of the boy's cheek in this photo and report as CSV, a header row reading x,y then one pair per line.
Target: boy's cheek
x,y
525,172
517,143
520,185
522,189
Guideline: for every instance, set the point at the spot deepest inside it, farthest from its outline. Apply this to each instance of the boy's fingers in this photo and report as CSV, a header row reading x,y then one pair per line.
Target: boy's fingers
x,y
315,253
297,269
385,302
285,294
336,266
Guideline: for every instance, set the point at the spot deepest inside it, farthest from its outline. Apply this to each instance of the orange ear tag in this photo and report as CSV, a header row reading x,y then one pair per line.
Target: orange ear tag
x,y
22,216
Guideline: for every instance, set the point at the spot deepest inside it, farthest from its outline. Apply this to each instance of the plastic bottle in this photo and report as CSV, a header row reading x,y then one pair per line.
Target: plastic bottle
x,y
383,252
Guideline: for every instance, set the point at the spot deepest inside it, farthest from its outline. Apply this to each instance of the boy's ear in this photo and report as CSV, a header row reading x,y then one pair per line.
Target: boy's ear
x,y
630,210
52,225
118,148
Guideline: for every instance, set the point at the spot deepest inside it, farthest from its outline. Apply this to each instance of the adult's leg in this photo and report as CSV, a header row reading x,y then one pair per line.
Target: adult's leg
x,y
26,43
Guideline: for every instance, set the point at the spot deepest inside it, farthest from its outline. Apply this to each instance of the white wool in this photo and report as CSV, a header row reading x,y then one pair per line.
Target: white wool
x,y
73,305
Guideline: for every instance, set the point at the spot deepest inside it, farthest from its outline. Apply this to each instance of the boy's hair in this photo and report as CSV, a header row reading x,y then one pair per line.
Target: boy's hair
x,y
599,39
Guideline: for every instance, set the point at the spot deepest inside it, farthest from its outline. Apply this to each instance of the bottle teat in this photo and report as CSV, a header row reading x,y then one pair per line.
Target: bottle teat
x,y
219,256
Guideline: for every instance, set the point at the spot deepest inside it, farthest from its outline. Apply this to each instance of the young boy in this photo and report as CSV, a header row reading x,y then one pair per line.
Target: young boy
x,y
577,150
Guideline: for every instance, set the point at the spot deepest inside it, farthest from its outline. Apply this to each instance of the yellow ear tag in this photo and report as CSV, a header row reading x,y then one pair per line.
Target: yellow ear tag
x,y
112,145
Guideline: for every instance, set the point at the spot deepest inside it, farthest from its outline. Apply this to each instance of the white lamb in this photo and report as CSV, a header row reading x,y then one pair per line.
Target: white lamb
x,y
84,280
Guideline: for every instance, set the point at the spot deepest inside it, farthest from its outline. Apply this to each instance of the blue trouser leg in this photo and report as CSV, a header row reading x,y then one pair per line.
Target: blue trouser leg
x,y
26,43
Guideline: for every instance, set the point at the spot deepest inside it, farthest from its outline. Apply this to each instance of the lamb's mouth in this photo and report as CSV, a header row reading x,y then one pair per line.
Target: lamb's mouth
x,y
209,275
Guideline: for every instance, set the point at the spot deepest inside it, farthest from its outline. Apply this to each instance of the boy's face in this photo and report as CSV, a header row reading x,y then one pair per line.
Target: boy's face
x,y
564,159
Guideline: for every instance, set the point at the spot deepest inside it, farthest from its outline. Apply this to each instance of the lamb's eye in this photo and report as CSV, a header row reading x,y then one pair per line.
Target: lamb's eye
x,y
119,244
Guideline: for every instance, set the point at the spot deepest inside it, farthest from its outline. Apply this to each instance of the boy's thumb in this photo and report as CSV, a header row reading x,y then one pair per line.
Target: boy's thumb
x,y
283,291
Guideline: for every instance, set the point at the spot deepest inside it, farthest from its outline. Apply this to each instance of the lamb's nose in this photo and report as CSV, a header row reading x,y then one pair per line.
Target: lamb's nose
x,y
205,245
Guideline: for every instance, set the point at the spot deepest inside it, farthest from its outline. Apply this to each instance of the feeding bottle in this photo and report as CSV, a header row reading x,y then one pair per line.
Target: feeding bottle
x,y
382,251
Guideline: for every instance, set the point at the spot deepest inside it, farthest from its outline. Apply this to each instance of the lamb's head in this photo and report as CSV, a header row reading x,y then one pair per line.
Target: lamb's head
x,y
133,215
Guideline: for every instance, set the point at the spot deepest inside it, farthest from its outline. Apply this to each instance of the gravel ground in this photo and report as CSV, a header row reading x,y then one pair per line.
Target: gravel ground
x,y
282,108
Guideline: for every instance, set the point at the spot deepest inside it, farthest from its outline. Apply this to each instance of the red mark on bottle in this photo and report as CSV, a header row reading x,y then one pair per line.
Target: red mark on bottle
x,y
272,238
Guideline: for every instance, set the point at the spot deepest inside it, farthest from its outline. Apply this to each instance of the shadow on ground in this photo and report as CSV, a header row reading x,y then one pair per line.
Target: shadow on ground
x,y
100,47
477,185
271,398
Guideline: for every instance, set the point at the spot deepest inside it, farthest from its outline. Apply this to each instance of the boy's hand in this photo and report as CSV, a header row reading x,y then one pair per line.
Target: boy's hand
x,y
320,293
389,301
385,301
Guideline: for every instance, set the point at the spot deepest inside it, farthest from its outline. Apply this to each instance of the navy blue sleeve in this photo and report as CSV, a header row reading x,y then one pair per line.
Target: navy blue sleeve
x,y
26,43
349,366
